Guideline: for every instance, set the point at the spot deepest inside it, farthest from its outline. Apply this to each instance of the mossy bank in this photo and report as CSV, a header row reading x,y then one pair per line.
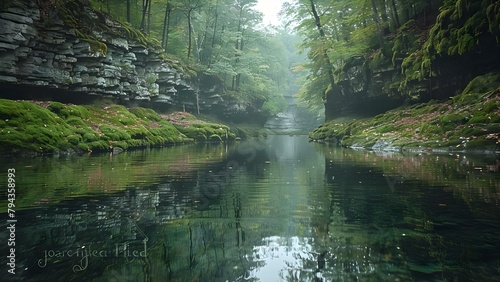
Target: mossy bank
x,y
469,121
28,127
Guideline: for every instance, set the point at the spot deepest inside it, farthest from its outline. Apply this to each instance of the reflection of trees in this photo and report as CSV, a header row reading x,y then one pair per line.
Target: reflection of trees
x,y
466,176
427,223
56,179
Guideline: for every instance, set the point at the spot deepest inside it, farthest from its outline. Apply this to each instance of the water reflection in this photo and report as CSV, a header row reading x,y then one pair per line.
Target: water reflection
x,y
276,209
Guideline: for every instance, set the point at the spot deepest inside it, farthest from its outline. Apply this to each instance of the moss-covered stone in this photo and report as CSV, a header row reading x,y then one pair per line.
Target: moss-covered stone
x,y
467,121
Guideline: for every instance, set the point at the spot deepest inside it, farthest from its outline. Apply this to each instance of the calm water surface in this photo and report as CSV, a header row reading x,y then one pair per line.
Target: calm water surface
x,y
276,209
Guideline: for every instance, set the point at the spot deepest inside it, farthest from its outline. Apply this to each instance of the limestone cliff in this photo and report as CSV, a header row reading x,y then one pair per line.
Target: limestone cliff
x,y
70,52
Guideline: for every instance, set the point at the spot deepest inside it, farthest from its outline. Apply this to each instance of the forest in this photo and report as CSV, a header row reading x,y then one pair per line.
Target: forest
x,y
220,37
412,37
345,59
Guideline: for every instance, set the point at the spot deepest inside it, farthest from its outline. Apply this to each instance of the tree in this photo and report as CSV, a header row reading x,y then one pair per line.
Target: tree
x,y
377,21
166,25
327,62
145,5
128,11
217,37
245,16
188,6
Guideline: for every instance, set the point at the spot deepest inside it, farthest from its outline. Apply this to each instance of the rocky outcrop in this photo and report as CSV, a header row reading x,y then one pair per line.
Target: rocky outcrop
x,y
73,53
421,61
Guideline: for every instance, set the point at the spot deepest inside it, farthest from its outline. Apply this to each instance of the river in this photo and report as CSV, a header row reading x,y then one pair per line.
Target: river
x,y
275,209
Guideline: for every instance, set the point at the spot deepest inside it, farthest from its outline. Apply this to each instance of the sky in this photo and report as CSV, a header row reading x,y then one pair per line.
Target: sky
x,y
270,8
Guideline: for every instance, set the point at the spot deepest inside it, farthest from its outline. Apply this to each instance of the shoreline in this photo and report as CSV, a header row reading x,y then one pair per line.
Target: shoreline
x,y
413,150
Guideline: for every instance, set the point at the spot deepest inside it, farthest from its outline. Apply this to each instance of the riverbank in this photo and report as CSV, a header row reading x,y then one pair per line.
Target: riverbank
x,y
34,127
469,121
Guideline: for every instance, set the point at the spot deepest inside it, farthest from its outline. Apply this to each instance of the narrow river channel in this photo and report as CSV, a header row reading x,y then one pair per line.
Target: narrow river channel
x,y
275,209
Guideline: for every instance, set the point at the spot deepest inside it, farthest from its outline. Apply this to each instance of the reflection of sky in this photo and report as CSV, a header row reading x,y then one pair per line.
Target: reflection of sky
x,y
279,258
293,189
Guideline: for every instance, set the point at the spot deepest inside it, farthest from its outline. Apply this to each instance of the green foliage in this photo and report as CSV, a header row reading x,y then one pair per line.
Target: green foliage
x,y
222,38
493,16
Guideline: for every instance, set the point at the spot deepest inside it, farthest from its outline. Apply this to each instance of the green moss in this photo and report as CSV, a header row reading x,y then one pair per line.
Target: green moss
x,y
482,84
385,128
481,142
377,61
56,107
82,24
74,139
405,42
114,133
479,119
215,137
90,137
467,118
202,132
452,118
75,121
78,111
26,127
100,145
147,114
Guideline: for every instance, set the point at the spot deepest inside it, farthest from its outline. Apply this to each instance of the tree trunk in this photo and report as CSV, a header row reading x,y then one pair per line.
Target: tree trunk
x,y
237,77
108,7
128,11
145,4
215,22
395,13
166,22
148,28
385,18
328,64
377,21
406,10
190,31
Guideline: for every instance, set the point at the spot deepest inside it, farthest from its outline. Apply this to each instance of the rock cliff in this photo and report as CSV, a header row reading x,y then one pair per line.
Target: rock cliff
x,y
431,57
73,53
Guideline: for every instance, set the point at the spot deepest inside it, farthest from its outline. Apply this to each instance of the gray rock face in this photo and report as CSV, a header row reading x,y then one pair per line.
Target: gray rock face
x,y
36,52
